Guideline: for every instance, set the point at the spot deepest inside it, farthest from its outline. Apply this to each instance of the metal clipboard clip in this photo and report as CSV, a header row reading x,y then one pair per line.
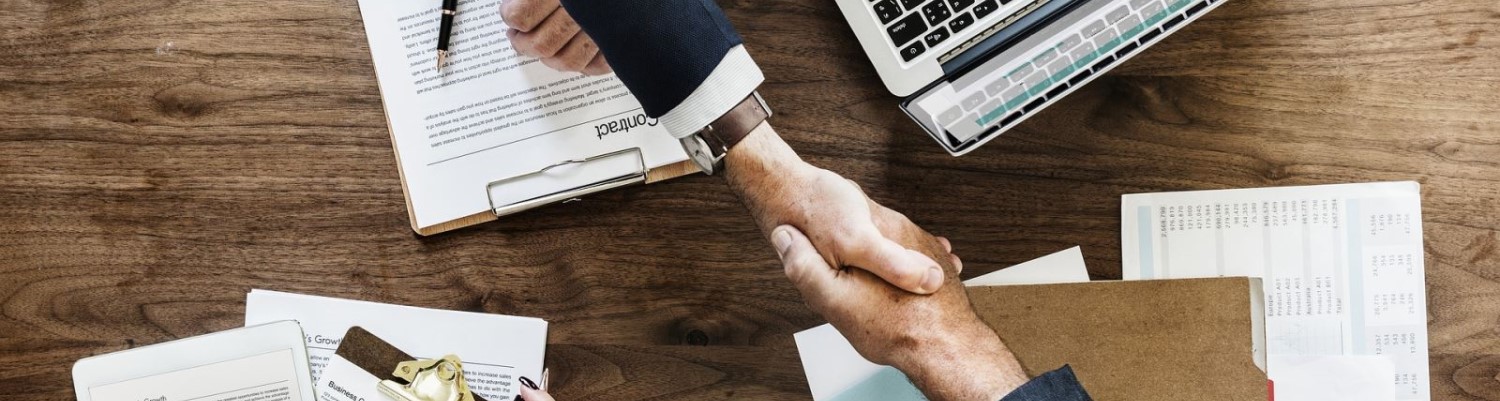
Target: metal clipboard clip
x,y
635,176
439,379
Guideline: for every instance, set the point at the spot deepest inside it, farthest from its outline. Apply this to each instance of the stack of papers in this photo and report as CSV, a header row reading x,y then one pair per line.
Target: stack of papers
x,y
1342,268
1342,265
496,349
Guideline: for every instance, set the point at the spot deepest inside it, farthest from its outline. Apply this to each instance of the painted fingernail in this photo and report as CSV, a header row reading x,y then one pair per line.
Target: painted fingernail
x,y
934,279
529,384
518,398
782,239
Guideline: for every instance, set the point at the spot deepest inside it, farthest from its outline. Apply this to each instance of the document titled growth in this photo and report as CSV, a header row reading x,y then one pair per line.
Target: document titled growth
x,y
490,113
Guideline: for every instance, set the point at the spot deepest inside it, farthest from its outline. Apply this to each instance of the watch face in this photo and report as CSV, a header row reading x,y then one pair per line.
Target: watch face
x,y
698,151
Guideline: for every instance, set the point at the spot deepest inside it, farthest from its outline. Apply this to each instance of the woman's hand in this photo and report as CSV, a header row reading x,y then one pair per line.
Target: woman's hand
x,y
530,391
533,395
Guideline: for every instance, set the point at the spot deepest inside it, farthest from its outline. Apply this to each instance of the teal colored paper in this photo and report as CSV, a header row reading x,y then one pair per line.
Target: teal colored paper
x,y
887,385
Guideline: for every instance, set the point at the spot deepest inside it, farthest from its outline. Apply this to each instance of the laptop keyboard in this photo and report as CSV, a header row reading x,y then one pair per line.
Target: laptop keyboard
x,y
933,21
1090,47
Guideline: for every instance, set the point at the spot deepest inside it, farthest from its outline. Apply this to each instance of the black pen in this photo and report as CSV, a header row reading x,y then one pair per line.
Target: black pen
x,y
445,28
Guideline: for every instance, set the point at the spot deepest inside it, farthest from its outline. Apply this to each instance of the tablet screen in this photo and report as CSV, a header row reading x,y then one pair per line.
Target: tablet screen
x,y
268,376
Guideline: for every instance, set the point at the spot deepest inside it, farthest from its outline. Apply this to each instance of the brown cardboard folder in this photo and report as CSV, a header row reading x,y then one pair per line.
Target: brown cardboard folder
x,y
1184,340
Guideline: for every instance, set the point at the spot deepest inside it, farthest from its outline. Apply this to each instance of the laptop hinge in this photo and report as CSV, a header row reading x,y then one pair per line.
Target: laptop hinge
x,y
1002,35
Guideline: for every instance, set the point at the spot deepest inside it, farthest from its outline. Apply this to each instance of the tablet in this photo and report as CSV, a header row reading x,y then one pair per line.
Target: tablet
x,y
267,362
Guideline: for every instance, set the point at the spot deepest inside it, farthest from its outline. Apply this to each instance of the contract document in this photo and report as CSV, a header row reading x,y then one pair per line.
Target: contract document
x,y
496,349
1342,265
491,114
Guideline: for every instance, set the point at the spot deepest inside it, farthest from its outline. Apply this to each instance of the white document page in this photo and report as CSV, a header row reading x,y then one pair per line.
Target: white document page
x,y
343,381
835,371
496,349
1342,264
1332,378
269,376
490,113
1065,266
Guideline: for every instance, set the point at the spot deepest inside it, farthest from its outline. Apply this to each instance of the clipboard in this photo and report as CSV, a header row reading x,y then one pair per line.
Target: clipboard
x,y
642,175
639,175
384,56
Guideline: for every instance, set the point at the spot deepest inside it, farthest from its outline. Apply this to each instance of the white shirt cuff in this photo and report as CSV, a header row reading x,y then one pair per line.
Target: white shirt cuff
x,y
729,83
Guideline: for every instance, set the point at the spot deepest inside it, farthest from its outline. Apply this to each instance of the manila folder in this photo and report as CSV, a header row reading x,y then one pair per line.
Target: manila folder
x,y
1189,339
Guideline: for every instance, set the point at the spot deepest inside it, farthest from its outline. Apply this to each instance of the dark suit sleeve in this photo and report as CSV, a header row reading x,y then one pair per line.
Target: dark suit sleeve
x,y
1057,385
680,58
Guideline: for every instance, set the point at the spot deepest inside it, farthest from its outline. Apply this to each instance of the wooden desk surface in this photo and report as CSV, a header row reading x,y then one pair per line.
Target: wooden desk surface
x,y
158,159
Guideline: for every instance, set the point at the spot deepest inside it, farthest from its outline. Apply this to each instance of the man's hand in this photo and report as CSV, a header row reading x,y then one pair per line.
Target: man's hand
x,y
937,340
542,28
845,225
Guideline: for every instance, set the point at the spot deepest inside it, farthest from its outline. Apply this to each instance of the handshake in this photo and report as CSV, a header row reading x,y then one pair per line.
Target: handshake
x,y
889,286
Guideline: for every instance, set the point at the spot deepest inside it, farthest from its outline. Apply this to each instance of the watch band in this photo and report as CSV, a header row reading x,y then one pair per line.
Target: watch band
x,y
708,146
731,128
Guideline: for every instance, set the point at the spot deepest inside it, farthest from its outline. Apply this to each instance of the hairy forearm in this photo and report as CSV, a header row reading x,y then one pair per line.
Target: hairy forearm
x,y
961,366
764,171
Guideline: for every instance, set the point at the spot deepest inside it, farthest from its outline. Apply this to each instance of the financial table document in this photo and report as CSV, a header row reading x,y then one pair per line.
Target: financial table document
x,y
1342,264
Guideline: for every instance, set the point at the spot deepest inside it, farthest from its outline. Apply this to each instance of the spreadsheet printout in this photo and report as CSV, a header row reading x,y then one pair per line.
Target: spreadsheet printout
x,y
1342,264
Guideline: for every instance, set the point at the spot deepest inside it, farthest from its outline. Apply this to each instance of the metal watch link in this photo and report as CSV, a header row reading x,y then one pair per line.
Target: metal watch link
x,y
708,146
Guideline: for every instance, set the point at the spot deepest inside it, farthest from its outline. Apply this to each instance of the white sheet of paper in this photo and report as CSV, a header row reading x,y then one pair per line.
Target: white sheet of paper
x,y
343,381
496,349
1065,266
835,371
263,362
831,363
267,375
490,114
1342,264
1333,377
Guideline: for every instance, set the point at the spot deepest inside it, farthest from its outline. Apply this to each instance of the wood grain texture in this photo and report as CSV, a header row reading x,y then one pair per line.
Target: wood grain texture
x,y
158,159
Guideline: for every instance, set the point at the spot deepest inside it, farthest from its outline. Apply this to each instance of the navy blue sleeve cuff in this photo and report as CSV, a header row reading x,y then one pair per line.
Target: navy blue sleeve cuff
x,y
1057,385
661,50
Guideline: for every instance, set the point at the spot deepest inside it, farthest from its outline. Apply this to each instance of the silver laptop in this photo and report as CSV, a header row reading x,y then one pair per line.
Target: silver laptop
x,y
971,69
